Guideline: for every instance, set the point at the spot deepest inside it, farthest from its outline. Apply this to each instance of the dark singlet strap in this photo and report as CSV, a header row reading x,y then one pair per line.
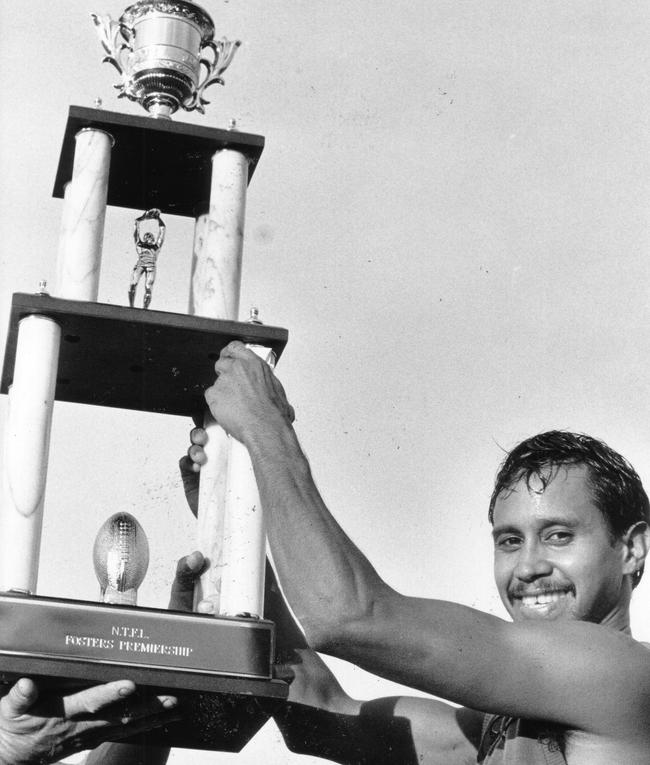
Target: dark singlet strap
x,y
546,743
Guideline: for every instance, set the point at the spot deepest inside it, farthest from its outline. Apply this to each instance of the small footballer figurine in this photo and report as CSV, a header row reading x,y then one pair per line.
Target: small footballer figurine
x,y
147,245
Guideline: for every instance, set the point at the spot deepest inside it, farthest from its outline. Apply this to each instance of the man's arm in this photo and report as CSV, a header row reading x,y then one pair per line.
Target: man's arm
x,y
554,672
321,719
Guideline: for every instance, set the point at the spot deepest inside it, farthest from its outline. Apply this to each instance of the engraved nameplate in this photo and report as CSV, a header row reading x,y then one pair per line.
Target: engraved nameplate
x,y
84,631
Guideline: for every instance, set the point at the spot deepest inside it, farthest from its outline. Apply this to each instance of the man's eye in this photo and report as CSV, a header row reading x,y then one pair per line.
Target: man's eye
x,y
508,543
559,537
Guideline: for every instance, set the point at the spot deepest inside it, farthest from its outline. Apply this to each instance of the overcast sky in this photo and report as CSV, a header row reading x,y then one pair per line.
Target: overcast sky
x,y
451,218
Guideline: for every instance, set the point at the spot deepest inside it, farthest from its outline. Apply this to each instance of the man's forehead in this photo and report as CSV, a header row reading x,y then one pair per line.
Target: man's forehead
x,y
563,489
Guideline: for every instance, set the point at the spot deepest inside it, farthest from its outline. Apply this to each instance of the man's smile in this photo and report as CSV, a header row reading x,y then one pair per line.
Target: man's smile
x,y
541,603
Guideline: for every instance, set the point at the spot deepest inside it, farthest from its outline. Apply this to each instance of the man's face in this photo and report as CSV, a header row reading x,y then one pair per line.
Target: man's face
x,y
554,557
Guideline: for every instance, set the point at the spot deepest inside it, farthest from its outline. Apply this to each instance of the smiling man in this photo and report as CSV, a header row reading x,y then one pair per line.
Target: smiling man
x,y
564,682
565,509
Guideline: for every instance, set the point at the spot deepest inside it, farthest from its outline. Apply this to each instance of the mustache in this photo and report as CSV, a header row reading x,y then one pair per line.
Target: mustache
x,y
539,588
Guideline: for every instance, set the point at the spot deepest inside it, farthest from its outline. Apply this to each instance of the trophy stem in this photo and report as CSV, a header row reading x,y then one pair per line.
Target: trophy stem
x,y
160,109
116,596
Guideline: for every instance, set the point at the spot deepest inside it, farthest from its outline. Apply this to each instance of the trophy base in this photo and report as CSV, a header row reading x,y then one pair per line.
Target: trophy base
x,y
220,668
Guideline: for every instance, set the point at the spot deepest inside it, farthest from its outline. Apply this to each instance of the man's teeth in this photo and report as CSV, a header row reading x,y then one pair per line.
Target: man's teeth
x,y
542,599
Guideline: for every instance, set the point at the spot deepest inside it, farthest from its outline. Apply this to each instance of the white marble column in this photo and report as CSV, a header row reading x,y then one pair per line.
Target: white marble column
x,y
219,240
244,533
216,282
26,445
84,211
244,540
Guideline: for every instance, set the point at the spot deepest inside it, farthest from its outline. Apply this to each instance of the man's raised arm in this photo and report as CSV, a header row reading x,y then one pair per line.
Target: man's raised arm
x,y
549,671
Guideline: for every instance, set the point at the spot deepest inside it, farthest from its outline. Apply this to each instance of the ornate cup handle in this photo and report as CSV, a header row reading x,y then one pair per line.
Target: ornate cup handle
x,y
223,52
115,38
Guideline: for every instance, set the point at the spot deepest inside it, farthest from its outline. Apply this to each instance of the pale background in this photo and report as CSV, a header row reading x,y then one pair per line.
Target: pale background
x,y
451,218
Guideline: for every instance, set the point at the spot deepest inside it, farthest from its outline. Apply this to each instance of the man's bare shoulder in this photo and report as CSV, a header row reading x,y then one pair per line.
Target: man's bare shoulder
x,y
565,668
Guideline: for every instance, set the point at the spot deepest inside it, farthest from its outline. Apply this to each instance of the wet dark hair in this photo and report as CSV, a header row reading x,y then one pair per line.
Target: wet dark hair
x,y
616,488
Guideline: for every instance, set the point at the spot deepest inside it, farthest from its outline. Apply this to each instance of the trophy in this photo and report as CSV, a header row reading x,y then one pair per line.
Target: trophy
x,y
156,46
69,347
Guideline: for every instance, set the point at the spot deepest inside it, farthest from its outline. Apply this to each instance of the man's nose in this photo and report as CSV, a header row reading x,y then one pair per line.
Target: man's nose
x,y
532,562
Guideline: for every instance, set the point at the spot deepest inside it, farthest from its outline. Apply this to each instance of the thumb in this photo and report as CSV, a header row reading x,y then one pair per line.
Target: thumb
x,y
20,698
190,479
187,571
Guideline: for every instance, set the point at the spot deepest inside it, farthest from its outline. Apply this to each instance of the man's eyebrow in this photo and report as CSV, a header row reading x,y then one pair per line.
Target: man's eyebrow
x,y
508,529
562,520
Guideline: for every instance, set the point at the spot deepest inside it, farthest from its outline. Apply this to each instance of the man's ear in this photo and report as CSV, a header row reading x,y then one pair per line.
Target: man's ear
x,y
636,543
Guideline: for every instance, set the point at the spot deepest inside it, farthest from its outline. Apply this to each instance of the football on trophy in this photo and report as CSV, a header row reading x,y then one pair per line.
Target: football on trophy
x,y
121,558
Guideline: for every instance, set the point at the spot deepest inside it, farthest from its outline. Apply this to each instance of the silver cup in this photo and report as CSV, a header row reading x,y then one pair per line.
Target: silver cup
x,y
159,47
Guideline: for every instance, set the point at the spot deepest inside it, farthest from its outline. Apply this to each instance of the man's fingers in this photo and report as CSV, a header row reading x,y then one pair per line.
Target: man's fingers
x,y
141,708
197,454
223,365
122,722
92,708
141,725
236,350
93,733
205,607
21,697
92,700
190,478
190,566
188,470
199,436
187,570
